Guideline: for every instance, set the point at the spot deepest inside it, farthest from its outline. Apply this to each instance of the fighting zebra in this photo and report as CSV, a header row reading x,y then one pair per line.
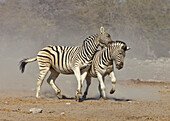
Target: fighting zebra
x,y
102,65
67,60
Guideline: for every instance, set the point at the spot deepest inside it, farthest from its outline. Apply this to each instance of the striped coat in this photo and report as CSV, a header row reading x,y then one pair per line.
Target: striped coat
x,y
102,65
67,60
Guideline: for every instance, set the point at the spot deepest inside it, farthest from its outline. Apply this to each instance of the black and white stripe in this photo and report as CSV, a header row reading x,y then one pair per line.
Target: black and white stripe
x,y
66,60
102,64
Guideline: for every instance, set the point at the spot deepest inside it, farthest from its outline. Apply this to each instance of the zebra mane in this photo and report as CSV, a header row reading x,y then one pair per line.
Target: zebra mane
x,y
119,43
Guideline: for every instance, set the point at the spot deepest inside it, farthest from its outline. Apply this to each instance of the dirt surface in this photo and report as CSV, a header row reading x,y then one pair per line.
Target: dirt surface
x,y
15,105
26,26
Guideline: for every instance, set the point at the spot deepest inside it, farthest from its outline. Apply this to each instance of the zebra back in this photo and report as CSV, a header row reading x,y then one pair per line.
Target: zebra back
x,y
63,58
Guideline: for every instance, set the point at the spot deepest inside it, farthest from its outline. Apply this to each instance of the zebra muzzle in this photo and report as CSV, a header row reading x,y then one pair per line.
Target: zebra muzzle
x,y
112,91
119,66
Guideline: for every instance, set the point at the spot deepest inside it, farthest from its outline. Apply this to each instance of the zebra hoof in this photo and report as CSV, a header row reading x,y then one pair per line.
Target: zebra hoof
x,y
112,91
59,95
84,96
77,98
39,97
102,98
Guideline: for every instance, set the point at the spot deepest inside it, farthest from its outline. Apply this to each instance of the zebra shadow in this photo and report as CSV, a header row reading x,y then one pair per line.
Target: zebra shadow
x,y
68,98
97,98
108,99
64,97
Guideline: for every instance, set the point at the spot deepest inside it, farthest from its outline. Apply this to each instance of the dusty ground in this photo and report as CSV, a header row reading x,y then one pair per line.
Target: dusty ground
x,y
14,106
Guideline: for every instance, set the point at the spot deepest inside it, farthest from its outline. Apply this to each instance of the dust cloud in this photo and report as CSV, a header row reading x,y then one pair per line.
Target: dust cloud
x,y
22,36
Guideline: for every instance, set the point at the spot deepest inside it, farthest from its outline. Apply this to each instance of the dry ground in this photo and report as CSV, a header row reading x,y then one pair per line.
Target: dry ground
x,y
16,108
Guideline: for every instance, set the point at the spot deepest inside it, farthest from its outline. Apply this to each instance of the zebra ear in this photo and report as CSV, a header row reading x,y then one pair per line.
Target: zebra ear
x,y
124,47
128,48
102,29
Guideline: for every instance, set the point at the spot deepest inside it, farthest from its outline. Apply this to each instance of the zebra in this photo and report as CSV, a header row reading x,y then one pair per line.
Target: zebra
x,y
102,65
67,60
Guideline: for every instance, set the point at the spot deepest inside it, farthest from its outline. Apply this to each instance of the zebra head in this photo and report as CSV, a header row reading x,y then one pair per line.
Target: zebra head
x,y
118,51
104,38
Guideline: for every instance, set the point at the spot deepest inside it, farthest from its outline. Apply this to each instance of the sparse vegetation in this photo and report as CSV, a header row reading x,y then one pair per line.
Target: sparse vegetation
x,y
145,24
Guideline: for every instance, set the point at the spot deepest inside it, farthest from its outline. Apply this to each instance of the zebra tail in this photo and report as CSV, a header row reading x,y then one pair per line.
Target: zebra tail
x,y
24,62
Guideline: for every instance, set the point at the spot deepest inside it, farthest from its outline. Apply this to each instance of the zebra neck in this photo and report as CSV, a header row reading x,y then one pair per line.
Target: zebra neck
x,y
89,47
113,53
106,55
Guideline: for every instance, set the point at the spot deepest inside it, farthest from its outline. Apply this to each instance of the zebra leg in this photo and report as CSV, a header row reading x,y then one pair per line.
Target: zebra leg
x,y
51,81
101,81
88,81
100,91
40,80
76,71
113,80
84,74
